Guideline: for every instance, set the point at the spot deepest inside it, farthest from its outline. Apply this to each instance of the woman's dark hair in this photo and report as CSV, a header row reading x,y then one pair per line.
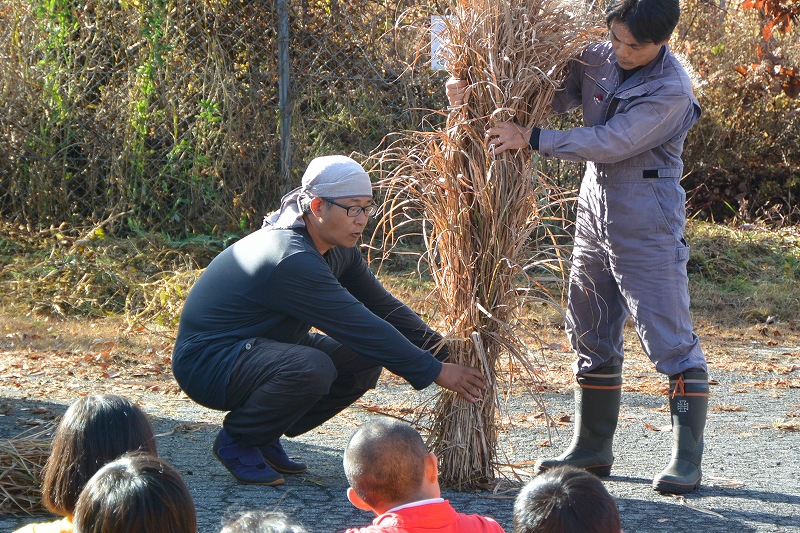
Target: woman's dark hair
x,y
563,500
137,493
650,21
95,430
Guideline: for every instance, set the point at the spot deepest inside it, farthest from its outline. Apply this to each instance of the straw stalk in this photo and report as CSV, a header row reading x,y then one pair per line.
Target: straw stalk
x,y
21,462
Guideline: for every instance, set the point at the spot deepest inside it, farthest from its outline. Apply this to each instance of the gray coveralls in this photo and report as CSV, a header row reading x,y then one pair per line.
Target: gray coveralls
x,y
630,255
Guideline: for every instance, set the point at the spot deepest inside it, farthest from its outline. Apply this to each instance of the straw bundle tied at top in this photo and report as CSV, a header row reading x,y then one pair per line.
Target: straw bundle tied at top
x,y
481,212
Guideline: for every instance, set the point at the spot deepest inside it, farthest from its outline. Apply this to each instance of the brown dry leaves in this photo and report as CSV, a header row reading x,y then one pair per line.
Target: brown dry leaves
x,y
112,362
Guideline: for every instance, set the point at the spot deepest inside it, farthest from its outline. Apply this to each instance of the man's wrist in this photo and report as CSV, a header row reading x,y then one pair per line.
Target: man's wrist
x,y
533,140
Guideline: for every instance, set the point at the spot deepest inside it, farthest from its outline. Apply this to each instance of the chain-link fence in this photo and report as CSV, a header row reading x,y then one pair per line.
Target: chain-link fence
x,y
163,115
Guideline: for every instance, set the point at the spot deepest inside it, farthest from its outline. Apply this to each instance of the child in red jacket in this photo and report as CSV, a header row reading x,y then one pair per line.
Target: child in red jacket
x,y
392,474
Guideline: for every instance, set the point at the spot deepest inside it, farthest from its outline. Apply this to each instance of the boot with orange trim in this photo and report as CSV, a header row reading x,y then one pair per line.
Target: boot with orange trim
x,y
688,403
597,398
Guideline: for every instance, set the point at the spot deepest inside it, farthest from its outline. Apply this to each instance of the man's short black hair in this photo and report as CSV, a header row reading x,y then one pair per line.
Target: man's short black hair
x,y
650,21
384,461
305,204
565,499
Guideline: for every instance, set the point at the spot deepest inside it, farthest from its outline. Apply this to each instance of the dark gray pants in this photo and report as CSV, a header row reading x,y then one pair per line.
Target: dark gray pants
x,y
279,389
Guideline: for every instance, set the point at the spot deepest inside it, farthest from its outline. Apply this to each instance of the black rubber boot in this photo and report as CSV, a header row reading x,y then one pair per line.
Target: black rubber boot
x,y
688,403
597,397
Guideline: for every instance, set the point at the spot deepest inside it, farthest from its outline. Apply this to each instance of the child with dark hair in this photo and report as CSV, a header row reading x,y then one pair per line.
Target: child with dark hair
x,y
392,474
565,500
137,493
94,431
262,522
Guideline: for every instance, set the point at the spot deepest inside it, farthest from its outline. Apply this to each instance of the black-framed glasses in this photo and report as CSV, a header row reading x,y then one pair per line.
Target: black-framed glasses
x,y
354,210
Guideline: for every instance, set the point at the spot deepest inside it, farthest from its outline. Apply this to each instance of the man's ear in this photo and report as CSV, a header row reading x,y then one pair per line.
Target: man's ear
x,y
356,500
316,205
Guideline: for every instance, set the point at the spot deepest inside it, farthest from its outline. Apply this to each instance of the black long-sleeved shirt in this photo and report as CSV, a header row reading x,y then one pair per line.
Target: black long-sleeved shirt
x,y
275,284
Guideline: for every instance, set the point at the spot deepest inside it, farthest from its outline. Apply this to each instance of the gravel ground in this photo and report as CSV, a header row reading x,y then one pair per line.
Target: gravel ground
x,y
751,481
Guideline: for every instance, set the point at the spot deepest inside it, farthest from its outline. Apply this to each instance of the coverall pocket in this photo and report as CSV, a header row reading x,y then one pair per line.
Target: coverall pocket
x,y
670,198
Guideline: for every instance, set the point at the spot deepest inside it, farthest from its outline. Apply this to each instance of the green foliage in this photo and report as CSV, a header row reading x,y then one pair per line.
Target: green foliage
x,y
93,118
166,110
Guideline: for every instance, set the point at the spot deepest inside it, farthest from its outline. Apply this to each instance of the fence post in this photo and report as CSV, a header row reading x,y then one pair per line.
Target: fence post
x,y
284,106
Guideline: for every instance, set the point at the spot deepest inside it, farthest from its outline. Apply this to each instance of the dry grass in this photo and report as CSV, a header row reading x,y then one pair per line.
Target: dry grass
x,y
488,222
83,272
21,462
168,112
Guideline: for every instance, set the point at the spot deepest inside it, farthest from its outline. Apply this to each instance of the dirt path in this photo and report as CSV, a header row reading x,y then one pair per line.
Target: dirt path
x,y
751,478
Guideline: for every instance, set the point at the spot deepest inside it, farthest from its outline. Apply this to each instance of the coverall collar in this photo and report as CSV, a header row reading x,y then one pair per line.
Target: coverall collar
x,y
653,68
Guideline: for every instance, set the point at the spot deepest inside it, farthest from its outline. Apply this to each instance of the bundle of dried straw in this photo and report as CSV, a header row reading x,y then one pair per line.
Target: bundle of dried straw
x,y
485,218
21,462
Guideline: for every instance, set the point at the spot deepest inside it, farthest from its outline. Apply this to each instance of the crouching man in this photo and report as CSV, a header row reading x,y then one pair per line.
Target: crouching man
x,y
244,345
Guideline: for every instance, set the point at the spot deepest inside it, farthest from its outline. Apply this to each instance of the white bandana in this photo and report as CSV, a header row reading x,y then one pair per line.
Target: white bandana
x,y
330,176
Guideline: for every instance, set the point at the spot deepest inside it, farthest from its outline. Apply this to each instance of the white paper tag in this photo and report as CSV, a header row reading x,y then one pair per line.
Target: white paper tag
x,y
439,41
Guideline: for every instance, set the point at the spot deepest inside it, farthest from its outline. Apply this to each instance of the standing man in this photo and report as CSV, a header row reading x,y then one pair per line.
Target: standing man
x,y
630,254
244,345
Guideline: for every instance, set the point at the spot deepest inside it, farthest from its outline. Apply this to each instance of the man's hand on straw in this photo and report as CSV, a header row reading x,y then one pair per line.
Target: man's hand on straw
x,y
466,381
456,90
508,136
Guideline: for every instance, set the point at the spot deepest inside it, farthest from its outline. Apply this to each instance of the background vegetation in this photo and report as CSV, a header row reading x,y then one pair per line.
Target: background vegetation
x,y
138,138
162,115
742,158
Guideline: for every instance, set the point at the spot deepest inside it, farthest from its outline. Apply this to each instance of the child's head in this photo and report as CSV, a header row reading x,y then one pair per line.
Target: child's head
x,y
387,464
94,431
565,499
262,522
137,493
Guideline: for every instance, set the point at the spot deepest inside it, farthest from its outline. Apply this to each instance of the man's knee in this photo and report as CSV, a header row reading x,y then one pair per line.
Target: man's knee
x,y
309,369
369,378
355,384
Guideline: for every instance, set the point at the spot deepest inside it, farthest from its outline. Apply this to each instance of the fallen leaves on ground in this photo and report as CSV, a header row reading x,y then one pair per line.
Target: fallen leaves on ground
x,y
99,365
723,482
183,428
727,407
682,500
657,428
59,360
787,425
